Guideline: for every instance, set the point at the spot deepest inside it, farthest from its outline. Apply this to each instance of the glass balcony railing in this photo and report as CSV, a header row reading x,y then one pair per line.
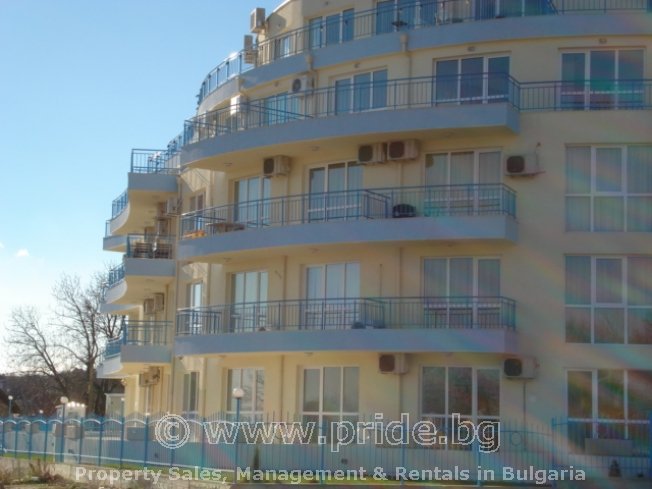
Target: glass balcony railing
x,y
412,93
138,333
386,19
353,205
150,246
350,313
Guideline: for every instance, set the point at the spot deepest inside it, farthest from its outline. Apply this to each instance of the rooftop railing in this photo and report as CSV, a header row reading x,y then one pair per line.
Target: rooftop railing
x,y
164,161
352,25
483,88
138,333
150,246
350,313
381,203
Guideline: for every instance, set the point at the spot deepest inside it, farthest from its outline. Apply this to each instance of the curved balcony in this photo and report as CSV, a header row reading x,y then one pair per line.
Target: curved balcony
x,y
384,20
400,324
147,267
152,179
345,113
142,342
456,212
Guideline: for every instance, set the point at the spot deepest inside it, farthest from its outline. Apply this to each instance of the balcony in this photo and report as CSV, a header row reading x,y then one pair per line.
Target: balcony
x,y
413,324
456,212
147,267
152,179
426,105
142,342
380,22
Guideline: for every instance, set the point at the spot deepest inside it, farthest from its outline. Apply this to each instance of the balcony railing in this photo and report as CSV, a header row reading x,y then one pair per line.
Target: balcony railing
x,y
138,333
340,314
382,20
162,161
382,203
411,93
115,275
119,204
149,246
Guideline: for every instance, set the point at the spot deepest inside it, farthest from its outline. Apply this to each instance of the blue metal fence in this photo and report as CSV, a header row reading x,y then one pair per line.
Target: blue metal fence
x,y
136,440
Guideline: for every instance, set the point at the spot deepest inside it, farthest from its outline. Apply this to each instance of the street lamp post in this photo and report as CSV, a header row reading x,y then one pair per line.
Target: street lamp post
x,y
64,401
237,393
11,401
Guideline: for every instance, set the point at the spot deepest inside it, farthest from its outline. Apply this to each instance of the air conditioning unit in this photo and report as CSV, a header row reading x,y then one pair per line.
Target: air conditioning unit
x,y
392,363
172,206
302,83
276,165
238,104
257,20
162,226
149,307
249,50
151,377
159,302
407,149
520,367
372,154
522,165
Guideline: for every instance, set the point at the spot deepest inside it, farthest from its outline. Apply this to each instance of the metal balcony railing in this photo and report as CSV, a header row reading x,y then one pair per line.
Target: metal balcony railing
x,y
162,161
381,203
115,275
421,14
359,313
119,204
411,93
138,333
404,93
150,246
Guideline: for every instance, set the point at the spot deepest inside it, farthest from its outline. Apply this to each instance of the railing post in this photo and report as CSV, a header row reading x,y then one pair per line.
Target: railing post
x,y
322,450
45,443
122,436
29,443
81,440
146,440
99,447
15,440
202,461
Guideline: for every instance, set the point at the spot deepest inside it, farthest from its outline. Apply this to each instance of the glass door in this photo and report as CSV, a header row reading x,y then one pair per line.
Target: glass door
x,y
332,293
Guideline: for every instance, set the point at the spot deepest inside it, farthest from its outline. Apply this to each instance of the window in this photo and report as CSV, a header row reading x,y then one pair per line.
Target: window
x,y
462,292
250,196
609,299
602,79
397,15
331,29
463,171
194,300
252,381
472,80
330,196
489,9
332,291
278,109
330,395
361,92
612,404
473,393
191,392
609,188
249,296
196,202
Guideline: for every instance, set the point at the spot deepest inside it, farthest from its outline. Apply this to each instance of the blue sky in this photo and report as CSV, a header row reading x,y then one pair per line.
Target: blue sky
x,y
82,82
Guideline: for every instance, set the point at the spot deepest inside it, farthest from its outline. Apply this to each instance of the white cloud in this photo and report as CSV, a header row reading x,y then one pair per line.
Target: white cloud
x,y
2,245
22,253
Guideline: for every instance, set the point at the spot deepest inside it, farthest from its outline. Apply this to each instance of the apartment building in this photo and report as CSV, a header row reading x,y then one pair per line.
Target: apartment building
x,y
401,206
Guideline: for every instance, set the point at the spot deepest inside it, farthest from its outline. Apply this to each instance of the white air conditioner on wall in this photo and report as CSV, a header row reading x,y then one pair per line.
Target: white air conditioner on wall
x,y
151,377
302,83
372,154
276,166
257,20
407,149
172,206
392,363
520,368
524,165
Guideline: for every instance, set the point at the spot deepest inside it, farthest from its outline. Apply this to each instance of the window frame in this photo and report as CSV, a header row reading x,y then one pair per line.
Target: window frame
x,y
459,80
253,414
320,413
190,380
349,101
